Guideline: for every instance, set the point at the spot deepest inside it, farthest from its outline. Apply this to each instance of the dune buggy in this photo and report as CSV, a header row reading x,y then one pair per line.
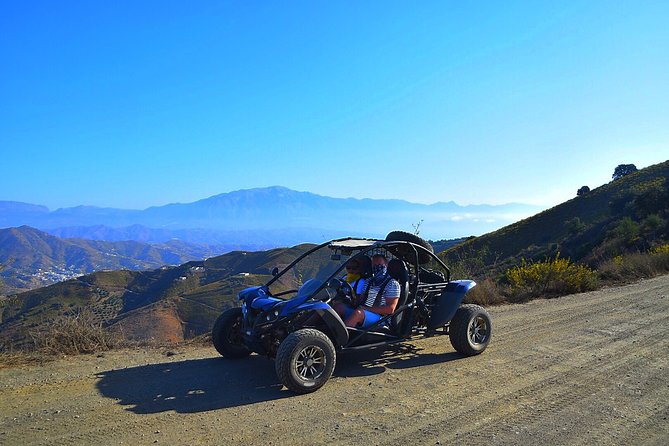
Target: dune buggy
x,y
290,318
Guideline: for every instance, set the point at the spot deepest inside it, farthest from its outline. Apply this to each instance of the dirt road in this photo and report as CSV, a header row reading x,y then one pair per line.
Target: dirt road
x,y
584,369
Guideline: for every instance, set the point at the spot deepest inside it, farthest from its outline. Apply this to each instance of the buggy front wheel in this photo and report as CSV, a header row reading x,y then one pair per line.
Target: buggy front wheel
x,y
470,330
305,360
227,335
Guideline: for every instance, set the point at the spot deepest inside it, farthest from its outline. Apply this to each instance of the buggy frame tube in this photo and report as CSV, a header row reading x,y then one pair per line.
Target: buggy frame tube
x,y
297,260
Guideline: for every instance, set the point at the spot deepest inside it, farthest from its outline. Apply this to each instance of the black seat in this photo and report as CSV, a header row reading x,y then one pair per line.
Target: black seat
x,y
397,270
365,265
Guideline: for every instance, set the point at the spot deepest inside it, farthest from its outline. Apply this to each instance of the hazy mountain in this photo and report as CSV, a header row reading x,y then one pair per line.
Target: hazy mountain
x,y
12,212
242,216
219,240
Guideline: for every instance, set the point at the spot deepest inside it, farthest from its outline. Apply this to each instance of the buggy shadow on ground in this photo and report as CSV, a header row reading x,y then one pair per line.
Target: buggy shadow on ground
x,y
398,356
196,385
201,385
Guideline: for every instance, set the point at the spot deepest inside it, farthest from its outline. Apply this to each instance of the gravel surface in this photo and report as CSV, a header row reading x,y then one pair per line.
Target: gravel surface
x,y
585,369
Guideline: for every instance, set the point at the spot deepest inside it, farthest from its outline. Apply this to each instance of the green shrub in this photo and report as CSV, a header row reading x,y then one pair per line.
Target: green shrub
x,y
574,226
626,230
471,263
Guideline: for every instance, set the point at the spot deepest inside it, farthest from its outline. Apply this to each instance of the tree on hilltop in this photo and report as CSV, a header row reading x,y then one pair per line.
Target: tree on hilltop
x,y
582,191
622,170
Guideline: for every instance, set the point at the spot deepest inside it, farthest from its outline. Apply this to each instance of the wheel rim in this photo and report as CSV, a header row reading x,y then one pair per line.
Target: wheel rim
x,y
310,363
479,331
234,335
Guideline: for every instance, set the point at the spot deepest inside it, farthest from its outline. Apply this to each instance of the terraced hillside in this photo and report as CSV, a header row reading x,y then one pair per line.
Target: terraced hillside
x,y
30,258
165,304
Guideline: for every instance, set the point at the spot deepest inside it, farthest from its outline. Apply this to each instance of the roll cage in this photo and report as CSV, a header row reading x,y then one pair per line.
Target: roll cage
x,y
409,252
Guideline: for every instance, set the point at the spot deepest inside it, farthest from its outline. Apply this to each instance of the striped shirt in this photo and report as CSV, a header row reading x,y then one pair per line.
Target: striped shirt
x,y
391,291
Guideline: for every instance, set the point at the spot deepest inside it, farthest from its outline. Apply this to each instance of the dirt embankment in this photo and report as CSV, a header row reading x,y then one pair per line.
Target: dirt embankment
x,y
584,369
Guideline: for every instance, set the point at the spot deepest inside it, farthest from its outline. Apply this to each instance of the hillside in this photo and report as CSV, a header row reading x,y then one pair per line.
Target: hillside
x,y
32,258
628,214
443,245
165,304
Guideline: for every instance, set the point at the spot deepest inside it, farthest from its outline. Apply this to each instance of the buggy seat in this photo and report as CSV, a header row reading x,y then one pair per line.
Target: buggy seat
x,y
397,270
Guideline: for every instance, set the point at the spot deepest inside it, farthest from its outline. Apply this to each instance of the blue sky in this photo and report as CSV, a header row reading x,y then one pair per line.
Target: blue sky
x,y
135,103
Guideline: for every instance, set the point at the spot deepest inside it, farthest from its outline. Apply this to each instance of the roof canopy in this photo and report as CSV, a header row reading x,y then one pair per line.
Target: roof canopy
x,y
353,243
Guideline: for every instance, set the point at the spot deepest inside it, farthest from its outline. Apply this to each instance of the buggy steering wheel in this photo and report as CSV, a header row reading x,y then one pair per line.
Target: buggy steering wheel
x,y
346,292
342,289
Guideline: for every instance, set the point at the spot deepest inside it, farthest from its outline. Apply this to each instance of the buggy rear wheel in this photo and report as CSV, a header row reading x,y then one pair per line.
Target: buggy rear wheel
x,y
470,330
305,360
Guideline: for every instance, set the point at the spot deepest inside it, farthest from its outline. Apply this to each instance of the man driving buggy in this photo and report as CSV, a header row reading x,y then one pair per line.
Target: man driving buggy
x,y
379,298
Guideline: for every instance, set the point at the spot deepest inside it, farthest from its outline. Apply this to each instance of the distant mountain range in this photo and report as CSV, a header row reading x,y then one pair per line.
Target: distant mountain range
x,y
263,218
40,246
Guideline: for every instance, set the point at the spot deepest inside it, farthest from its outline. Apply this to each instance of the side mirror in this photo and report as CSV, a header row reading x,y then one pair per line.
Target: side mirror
x,y
275,271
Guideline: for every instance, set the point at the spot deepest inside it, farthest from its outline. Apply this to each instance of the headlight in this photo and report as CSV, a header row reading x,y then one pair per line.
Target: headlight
x,y
273,314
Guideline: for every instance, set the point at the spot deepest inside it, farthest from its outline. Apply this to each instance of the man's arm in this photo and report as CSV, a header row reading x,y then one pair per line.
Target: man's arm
x,y
384,310
391,294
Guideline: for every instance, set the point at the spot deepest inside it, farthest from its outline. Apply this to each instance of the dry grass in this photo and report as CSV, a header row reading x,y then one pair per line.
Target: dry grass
x,y
632,267
21,358
75,334
486,292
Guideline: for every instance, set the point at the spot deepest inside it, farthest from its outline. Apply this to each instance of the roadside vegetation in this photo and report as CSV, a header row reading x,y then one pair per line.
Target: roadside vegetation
x,y
75,334
81,332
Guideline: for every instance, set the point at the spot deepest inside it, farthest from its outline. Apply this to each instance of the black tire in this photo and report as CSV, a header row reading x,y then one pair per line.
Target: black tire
x,y
401,236
227,335
470,330
294,365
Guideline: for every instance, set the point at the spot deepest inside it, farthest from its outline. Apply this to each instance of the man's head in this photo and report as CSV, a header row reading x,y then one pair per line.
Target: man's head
x,y
379,259
379,268
353,266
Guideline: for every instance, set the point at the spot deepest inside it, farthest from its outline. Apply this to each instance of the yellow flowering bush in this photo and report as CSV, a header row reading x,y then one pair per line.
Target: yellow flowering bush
x,y
551,277
659,250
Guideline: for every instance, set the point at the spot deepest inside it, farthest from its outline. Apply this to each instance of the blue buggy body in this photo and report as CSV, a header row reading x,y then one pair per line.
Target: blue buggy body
x,y
293,321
